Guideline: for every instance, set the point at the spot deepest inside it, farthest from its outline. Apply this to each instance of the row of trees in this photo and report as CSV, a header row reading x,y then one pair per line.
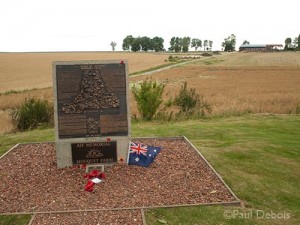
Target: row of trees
x,y
207,44
177,44
145,44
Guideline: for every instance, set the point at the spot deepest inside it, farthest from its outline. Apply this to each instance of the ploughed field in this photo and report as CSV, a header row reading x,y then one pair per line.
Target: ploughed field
x,y
234,83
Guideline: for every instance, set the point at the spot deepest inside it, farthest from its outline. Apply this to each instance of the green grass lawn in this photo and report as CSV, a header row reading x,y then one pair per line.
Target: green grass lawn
x,y
258,156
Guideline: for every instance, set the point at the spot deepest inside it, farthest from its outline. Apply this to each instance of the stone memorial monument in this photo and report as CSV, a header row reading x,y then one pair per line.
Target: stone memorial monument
x,y
92,119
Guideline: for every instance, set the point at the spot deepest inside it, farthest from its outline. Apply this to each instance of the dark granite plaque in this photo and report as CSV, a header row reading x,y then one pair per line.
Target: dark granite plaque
x,y
94,152
91,100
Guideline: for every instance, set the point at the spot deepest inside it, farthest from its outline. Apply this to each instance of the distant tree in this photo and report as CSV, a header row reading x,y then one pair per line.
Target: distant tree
x,y
178,44
210,43
146,44
172,44
296,43
158,44
136,44
186,41
245,42
229,43
299,42
205,44
113,45
288,42
127,42
196,43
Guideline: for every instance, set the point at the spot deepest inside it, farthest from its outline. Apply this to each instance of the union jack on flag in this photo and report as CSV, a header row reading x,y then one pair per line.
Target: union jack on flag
x,y
138,148
142,155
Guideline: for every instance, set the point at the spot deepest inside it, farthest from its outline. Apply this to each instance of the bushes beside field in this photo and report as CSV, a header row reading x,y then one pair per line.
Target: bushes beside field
x,y
32,114
187,104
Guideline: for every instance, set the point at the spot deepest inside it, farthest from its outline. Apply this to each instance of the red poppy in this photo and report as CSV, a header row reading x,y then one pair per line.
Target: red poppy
x,y
102,176
89,186
94,173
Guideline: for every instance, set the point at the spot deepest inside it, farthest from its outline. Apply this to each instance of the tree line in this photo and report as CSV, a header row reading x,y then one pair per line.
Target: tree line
x,y
144,43
182,44
177,44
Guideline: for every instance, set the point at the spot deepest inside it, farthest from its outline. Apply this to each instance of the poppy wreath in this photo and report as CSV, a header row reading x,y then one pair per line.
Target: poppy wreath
x,y
93,174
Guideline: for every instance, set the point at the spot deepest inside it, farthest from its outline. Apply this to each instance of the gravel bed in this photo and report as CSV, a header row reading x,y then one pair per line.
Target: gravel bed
x,y
30,182
129,217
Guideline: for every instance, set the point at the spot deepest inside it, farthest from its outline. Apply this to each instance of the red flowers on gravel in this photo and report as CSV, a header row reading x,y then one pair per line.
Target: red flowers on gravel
x,y
93,177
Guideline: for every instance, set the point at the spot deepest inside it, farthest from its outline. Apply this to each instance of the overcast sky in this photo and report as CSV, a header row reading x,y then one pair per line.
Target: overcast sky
x,y
91,25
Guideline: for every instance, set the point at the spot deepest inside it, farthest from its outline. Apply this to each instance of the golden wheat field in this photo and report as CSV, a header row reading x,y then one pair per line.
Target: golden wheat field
x,y
20,71
241,82
232,83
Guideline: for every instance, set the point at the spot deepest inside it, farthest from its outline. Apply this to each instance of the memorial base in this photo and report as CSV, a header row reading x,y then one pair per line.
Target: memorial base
x,y
94,151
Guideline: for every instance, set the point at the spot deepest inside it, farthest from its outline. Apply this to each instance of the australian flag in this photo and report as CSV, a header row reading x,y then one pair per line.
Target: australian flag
x,y
142,155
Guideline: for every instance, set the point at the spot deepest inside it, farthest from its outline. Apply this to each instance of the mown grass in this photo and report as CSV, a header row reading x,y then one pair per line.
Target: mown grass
x,y
257,155
259,158
15,220
7,141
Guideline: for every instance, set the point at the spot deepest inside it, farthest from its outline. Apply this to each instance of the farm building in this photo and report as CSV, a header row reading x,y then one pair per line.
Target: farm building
x,y
261,47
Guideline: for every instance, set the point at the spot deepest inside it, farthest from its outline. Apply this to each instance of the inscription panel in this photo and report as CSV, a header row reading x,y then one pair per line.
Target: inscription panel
x,y
87,94
94,152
